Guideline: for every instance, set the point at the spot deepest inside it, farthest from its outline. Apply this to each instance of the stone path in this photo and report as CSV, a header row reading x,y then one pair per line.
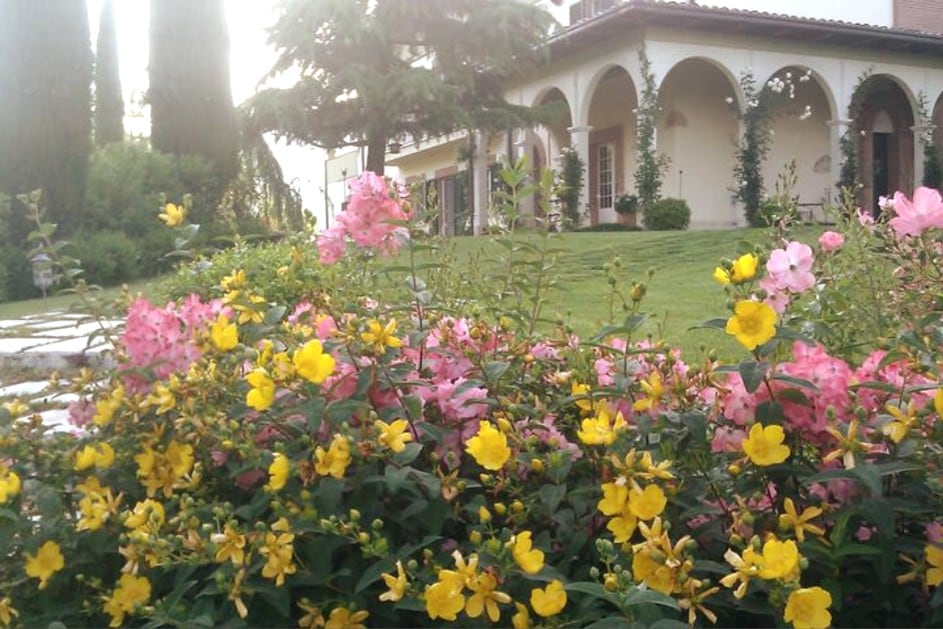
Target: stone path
x,y
33,347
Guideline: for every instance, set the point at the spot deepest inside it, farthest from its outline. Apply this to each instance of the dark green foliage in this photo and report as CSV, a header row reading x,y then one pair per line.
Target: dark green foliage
x,y
126,181
369,48
609,227
108,257
261,263
848,174
572,170
932,169
109,103
668,214
45,112
651,166
752,150
190,93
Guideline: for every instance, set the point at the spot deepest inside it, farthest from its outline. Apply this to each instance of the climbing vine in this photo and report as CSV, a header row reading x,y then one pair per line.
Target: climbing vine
x,y
651,166
932,169
848,174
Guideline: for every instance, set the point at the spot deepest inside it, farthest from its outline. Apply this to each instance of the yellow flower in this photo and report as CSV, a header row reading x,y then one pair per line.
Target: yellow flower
x,y
96,505
792,520
279,550
938,402
896,430
130,592
223,334
396,585
180,458
585,404
934,557
741,270
601,429
312,363
489,447
105,408
746,568
549,601
146,518
647,504
278,472
444,598
521,618
753,323
47,562
486,598
231,546
394,435
807,608
380,337
234,281
7,611
657,575
343,618
531,560
262,394
744,268
335,460
780,560
653,391
173,215
765,446
615,502
9,484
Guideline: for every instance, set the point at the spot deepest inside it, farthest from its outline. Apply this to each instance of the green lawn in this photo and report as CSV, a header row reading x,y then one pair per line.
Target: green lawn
x,y
681,294
66,302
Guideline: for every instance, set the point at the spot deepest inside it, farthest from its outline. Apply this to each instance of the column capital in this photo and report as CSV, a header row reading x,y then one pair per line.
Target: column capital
x,y
584,129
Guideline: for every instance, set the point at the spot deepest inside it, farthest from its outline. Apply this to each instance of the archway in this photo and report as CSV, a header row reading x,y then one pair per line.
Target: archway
x,y
612,143
698,130
801,110
885,123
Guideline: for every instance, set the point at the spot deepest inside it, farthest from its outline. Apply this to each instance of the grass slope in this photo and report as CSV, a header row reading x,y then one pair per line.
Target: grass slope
x,y
681,294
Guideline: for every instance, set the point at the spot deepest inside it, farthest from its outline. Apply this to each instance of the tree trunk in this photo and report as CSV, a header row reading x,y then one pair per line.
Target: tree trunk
x,y
376,153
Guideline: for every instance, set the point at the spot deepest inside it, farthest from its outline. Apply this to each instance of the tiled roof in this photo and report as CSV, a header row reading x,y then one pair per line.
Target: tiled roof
x,y
691,16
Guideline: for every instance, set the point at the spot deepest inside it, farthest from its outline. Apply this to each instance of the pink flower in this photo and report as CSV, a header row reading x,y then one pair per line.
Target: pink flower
x,y
831,241
791,268
776,298
331,245
915,217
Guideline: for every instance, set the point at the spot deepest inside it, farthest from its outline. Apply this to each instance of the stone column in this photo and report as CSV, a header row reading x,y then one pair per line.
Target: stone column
x,y
481,185
838,128
579,142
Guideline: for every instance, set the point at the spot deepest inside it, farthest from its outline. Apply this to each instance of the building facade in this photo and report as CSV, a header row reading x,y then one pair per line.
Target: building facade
x,y
825,74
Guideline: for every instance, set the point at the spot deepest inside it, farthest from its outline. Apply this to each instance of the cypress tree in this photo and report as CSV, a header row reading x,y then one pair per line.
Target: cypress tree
x,y
109,104
190,93
45,102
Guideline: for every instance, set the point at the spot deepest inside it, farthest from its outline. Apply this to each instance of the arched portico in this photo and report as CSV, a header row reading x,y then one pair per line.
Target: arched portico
x,y
886,138
802,107
612,142
697,129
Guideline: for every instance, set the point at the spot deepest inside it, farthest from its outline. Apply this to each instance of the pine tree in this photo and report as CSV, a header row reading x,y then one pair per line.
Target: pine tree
x,y
109,103
376,71
45,102
190,93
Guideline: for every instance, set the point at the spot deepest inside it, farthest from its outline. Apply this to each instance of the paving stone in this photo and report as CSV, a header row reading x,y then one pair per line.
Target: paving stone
x,y
23,389
17,344
58,420
70,346
11,323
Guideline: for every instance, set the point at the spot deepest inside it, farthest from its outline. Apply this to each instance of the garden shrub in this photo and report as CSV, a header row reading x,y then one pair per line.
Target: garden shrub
x,y
352,460
107,256
667,214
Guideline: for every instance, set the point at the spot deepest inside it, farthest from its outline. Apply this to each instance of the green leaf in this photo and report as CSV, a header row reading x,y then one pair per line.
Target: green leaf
x,y
799,382
753,373
408,454
551,496
649,597
495,369
716,324
593,589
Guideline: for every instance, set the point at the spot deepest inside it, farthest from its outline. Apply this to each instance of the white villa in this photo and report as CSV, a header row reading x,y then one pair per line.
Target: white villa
x,y
698,54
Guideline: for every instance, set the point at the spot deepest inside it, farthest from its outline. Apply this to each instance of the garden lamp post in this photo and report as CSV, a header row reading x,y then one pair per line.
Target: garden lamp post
x,y
42,273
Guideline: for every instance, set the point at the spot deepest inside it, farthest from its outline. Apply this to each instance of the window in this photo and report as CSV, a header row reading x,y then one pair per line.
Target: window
x,y
605,166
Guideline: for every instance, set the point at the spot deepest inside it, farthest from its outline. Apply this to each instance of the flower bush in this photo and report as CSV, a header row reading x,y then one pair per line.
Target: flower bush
x,y
349,461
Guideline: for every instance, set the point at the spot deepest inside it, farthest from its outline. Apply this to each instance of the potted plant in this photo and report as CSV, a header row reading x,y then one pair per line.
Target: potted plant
x,y
626,204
